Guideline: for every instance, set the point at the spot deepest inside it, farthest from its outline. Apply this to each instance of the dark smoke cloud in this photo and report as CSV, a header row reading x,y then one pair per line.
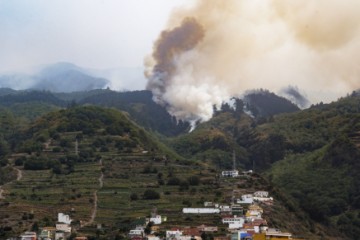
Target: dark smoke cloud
x,y
167,48
294,95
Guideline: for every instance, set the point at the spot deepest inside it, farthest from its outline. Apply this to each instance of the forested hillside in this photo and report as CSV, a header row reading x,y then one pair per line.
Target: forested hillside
x,y
311,156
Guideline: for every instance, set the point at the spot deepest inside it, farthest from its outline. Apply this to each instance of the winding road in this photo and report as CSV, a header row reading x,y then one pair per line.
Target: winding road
x,y
94,210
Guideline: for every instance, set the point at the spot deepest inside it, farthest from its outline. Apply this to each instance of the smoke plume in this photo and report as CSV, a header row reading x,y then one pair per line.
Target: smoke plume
x,y
217,49
294,94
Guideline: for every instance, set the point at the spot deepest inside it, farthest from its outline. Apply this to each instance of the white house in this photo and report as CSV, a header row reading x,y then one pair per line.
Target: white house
x,y
64,227
28,236
261,194
152,237
225,208
59,235
209,204
246,199
262,199
234,222
230,173
253,214
138,231
156,219
175,234
275,233
204,228
63,218
201,210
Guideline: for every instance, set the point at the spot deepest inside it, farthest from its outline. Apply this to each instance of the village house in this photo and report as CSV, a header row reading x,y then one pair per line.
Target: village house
x,y
191,231
241,235
60,235
152,237
249,172
81,238
246,199
230,173
156,219
253,214
234,222
261,194
207,229
257,226
209,204
63,218
237,209
137,232
28,236
222,238
173,234
201,210
47,233
64,227
225,208
272,234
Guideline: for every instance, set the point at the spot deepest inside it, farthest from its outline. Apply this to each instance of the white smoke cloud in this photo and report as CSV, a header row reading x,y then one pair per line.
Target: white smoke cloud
x,y
313,45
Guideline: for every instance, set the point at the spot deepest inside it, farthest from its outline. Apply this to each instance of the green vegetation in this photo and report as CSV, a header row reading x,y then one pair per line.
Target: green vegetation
x,y
70,155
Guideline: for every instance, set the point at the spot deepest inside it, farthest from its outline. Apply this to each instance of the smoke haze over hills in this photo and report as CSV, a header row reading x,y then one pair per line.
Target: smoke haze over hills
x,y
240,45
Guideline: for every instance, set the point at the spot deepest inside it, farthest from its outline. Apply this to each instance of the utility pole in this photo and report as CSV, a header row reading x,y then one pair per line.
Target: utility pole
x,y
234,162
76,147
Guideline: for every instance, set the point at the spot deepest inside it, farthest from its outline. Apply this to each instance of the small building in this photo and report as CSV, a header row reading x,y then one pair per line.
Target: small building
x,y
81,238
204,228
249,172
241,235
156,219
152,237
253,214
138,231
201,210
237,209
47,233
28,236
246,199
63,218
191,231
60,235
63,227
222,238
261,194
225,208
230,173
272,234
173,234
234,222
209,204
256,226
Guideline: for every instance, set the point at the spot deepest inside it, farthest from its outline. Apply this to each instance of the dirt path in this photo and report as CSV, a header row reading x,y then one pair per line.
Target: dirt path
x,y
19,174
94,210
1,193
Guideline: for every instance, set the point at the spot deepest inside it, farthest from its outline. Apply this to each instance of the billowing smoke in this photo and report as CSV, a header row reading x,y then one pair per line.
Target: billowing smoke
x,y
217,49
294,95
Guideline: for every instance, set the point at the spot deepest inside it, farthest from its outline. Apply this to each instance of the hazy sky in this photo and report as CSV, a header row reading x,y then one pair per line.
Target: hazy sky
x,y
89,33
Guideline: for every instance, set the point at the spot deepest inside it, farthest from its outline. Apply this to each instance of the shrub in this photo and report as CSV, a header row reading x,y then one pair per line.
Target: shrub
x,y
134,197
151,194
194,180
173,181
